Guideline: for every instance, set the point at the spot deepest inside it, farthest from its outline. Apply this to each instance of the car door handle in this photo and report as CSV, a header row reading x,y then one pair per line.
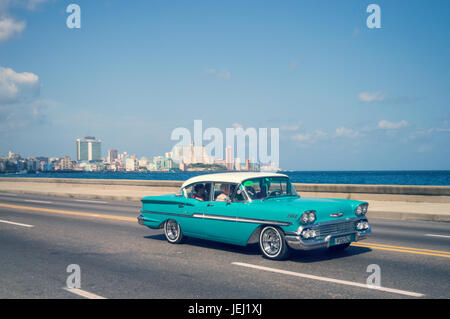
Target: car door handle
x,y
181,205
209,205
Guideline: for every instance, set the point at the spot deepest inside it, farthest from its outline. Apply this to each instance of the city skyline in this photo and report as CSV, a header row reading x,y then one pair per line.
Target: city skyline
x,y
344,97
89,158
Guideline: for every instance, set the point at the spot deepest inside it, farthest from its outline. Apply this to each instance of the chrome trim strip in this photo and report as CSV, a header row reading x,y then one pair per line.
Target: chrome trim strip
x,y
170,214
168,202
224,218
243,220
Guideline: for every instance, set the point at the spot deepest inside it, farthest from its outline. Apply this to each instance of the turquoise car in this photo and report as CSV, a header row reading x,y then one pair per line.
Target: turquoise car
x,y
264,208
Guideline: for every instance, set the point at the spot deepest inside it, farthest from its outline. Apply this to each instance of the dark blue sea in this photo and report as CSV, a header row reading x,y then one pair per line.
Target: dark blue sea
x,y
321,177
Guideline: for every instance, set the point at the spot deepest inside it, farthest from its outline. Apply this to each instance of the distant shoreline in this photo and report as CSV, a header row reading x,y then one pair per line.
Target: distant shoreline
x,y
422,177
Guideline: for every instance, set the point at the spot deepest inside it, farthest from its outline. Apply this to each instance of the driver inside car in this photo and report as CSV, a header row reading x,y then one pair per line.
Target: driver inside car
x,y
263,190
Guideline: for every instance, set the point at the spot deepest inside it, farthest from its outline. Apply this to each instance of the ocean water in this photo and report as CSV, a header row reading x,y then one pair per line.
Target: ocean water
x,y
321,177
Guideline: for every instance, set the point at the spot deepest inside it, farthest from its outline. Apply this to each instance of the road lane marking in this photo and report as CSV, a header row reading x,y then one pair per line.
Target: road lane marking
x,y
89,201
337,281
17,224
37,201
66,212
83,293
409,250
402,247
7,194
435,235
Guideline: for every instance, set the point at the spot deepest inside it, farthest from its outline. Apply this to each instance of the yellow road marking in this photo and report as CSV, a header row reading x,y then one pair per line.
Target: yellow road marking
x,y
401,247
409,251
67,212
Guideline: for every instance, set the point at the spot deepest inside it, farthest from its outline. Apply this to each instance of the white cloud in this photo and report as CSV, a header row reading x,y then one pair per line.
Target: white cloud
x,y
32,4
310,137
386,125
16,87
20,104
346,132
368,97
223,74
10,27
290,127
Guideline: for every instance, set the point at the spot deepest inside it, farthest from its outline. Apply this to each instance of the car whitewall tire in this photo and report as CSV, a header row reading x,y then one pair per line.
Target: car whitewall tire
x,y
272,243
173,232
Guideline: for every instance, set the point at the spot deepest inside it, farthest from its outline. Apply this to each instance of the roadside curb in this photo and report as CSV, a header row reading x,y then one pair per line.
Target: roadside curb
x,y
371,214
409,216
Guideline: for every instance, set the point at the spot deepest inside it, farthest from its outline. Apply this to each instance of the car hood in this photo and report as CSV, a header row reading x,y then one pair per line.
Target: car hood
x,y
324,207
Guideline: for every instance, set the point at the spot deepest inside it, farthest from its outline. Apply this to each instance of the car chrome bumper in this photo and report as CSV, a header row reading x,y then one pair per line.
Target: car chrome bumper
x,y
298,243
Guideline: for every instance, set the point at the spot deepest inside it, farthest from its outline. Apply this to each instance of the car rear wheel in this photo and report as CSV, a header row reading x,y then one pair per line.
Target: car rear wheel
x,y
173,232
272,243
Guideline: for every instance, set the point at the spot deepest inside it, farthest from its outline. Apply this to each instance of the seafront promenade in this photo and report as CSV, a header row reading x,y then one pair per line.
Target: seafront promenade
x,y
385,201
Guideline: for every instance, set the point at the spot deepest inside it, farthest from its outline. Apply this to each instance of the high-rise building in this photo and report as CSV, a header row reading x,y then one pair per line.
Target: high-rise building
x,y
89,149
66,163
131,164
190,154
112,155
237,164
229,158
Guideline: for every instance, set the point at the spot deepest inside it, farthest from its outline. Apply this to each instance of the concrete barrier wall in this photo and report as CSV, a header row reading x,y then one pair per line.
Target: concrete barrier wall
x,y
133,189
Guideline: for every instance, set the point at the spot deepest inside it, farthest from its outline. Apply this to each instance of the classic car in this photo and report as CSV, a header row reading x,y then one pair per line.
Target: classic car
x,y
243,208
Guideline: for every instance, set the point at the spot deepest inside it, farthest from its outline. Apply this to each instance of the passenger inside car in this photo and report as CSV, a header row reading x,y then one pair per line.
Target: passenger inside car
x,y
199,192
225,193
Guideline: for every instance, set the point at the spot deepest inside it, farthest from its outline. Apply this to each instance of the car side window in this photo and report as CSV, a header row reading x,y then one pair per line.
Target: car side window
x,y
239,195
223,191
198,191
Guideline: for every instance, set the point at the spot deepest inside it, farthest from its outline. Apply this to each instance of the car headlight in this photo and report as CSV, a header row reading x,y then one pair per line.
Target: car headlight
x,y
361,209
362,225
308,217
308,233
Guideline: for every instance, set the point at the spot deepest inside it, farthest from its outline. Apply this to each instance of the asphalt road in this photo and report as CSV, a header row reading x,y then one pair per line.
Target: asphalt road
x,y
41,236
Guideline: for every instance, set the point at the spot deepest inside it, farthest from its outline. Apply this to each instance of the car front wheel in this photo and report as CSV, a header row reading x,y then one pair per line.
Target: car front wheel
x,y
272,243
173,232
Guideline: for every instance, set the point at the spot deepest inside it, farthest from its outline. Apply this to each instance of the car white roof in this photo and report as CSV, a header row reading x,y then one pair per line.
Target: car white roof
x,y
229,177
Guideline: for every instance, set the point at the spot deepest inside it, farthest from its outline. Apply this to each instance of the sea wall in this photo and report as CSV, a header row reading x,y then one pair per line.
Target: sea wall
x,y
135,189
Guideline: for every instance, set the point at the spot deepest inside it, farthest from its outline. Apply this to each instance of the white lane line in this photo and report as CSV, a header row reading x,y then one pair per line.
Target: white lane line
x,y
337,281
7,194
17,224
37,201
90,201
83,293
435,235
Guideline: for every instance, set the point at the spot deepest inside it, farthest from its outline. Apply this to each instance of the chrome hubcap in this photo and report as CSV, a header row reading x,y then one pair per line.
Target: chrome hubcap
x,y
271,242
172,230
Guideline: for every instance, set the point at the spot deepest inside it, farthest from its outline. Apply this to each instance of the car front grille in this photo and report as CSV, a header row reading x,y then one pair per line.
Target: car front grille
x,y
335,228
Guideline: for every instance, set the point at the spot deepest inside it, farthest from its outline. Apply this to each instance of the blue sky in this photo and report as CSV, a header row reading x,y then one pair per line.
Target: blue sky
x,y
344,96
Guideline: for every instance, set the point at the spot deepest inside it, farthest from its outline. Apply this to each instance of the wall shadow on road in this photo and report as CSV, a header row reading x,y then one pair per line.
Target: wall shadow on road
x,y
253,250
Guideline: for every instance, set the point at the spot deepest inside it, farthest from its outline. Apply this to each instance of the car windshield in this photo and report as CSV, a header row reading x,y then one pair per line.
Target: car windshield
x,y
269,187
